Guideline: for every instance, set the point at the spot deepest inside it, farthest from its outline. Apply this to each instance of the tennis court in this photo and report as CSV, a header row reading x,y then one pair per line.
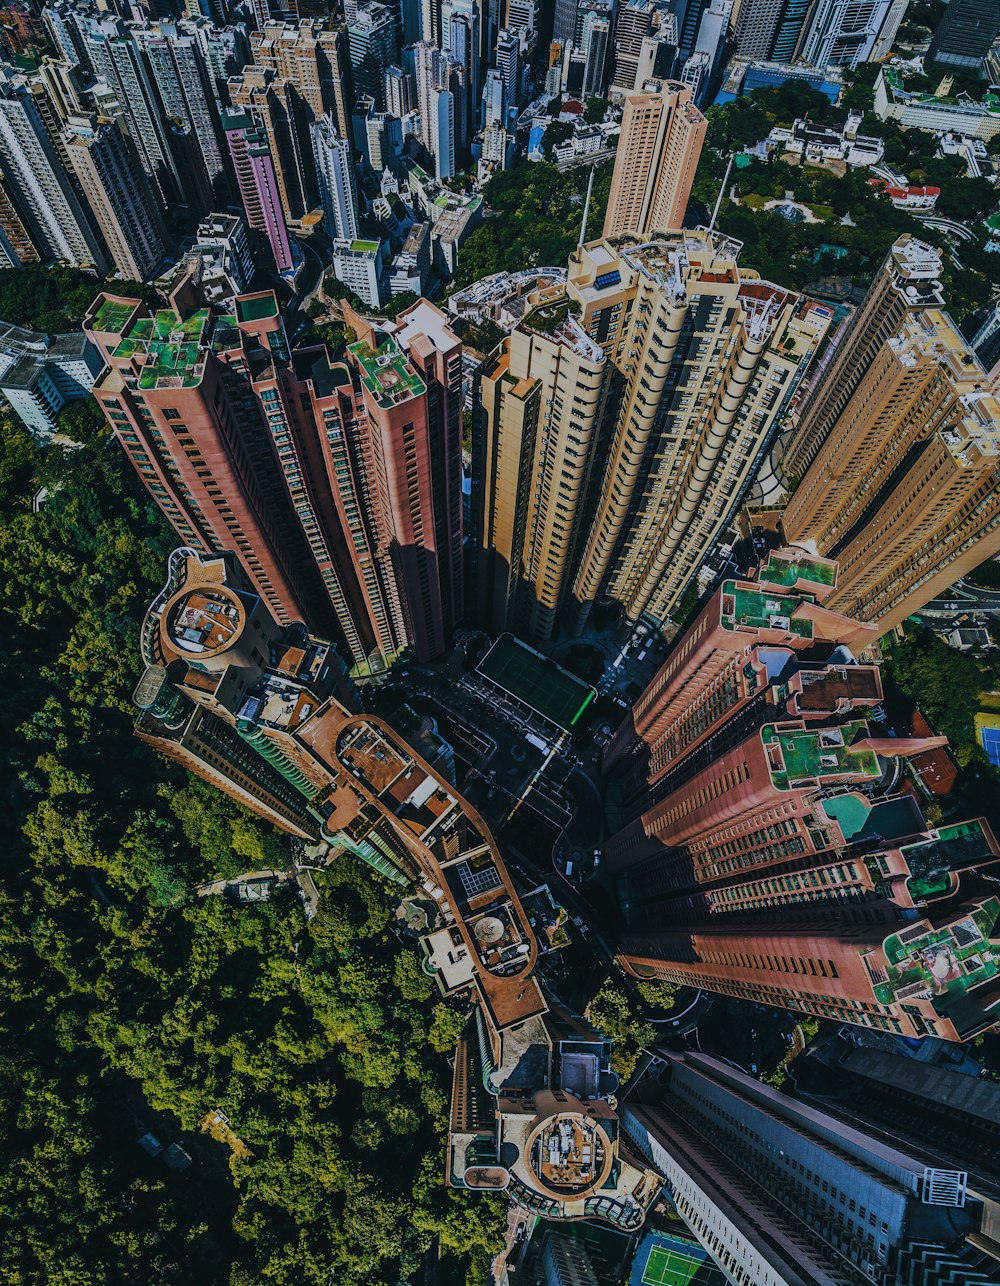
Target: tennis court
x,y
664,1260
536,682
988,727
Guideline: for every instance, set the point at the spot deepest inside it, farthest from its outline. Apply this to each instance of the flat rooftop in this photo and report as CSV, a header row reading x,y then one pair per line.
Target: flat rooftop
x,y
112,316
756,609
251,308
205,621
788,572
943,964
386,373
537,682
802,755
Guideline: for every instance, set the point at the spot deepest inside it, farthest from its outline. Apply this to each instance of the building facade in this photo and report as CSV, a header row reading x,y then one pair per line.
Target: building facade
x,y
661,140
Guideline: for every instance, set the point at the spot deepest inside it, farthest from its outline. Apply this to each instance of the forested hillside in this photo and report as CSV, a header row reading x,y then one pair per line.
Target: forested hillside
x,y
131,1005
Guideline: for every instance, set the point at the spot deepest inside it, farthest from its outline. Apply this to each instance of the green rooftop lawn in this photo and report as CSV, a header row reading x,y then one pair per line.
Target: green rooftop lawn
x,y
257,307
556,694
112,316
387,373
753,608
802,755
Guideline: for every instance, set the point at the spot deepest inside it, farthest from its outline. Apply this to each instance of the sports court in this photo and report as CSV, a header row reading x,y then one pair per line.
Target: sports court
x,y
536,682
988,727
663,1260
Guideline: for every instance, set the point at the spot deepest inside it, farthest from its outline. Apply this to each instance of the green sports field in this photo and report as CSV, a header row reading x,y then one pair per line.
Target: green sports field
x,y
538,682
671,1267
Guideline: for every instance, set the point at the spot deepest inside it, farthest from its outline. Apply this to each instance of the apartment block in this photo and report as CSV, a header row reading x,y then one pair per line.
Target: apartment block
x,y
35,178
313,57
907,283
765,849
107,169
782,1194
703,356
661,139
903,491
39,374
277,108
537,414
338,190
258,187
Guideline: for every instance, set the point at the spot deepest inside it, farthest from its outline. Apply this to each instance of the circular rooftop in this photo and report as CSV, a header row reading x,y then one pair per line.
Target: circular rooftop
x,y
569,1154
203,621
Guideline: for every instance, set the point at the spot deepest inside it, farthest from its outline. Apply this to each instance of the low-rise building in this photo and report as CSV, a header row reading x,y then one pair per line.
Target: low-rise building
x,y
40,373
893,101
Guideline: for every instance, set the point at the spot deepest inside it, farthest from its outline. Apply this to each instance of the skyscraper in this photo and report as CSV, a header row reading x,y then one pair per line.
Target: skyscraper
x,y
907,283
45,198
16,245
661,140
508,57
537,413
781,1193
374,47
965,33
766,851
633,23
704,356
258,184
282,113
113,184
400,96
903,491
842,33
313,58
338,191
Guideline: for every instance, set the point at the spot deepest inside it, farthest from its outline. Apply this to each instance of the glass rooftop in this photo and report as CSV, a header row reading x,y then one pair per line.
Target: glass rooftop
x,y
801,754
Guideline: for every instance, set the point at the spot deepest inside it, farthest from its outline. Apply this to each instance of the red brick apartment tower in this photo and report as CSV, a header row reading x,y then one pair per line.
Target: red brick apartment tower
x,y
410,378
765,850
177,395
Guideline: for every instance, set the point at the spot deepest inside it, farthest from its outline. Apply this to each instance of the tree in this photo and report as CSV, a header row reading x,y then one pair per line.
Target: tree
x,y
613,1012
558,132
595,110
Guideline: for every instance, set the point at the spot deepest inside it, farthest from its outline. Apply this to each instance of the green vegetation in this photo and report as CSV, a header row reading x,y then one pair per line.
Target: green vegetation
x,y
131,1005
614,1012
797,254
535,212
54,299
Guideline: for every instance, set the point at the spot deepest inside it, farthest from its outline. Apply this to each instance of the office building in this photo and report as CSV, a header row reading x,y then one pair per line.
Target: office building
x,y
400,95
40,187
521,15
597,37
907,283
538,408
842,33
313,58
967,30
258,185
508,59
783,1194
374,48
633,23
694,409
887,34
39,374
661,139
903,491
765,849
564,22
493,96
282,113
465,50
756,26
338,192
114,186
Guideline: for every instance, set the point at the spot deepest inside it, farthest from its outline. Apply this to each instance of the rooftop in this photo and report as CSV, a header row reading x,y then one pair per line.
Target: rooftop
x,y
800,755
205,621
112,316
251,308
386,373
754,609
780,569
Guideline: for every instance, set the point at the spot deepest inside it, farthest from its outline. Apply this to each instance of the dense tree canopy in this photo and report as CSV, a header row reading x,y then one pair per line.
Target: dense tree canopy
x,y
52,299
131,1005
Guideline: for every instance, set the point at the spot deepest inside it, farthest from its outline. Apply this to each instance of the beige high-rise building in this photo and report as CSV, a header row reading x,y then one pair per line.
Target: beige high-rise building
x,y
661,140
538,411
107,168
282,113
703,358
905,491
906,284
313,58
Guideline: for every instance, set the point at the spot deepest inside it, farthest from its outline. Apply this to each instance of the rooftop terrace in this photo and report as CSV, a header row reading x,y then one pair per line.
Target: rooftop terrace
x,y
945,963
386,373
789,571
797,756
754,609
170,351
112,316
251,308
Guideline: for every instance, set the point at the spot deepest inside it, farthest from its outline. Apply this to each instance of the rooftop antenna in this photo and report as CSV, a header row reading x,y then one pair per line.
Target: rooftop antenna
x,y
586,209
725,183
